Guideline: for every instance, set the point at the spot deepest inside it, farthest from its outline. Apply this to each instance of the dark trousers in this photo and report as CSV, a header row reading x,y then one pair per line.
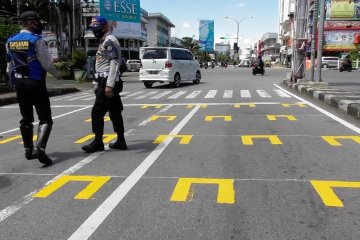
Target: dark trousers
x,y
103,105
33,93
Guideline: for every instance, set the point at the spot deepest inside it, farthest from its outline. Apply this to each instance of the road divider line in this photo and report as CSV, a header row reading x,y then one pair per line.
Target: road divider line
x,y
330,115
102,212
59,116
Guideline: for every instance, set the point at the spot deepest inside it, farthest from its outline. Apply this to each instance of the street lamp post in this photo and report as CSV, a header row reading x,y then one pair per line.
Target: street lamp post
x,y
237,34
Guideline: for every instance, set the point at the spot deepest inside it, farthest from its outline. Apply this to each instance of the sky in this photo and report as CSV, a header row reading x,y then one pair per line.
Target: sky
x,y
185,15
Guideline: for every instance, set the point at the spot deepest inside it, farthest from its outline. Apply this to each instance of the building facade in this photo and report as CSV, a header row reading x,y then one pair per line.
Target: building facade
x,y
286,29
159,30
269,48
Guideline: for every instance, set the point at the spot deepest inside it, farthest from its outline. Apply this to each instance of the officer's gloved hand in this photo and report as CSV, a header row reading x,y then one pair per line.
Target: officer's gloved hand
x,y
109,92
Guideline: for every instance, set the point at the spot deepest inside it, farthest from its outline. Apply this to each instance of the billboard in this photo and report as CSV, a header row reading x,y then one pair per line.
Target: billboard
x,y
206,35
124,17
340,40
342,10
51,42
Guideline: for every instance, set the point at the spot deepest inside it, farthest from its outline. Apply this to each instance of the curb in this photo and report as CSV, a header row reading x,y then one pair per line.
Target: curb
x,y
51,92
348,102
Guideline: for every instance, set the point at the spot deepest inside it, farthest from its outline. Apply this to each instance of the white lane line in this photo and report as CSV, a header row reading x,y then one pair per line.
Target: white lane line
x,y
132,95
122,94
282,93
176,95
228,94
80,97
332,116
101,213
161,111
69,96
160,95
146,95
59,116
263,93
193,94
211,94
245,94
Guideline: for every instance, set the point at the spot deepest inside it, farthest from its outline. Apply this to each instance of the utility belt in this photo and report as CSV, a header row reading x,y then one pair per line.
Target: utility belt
x,y
101,75
20,76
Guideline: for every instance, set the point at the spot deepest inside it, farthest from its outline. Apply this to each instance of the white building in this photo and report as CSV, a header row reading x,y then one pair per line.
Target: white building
x,y
159,30
286,25
223,48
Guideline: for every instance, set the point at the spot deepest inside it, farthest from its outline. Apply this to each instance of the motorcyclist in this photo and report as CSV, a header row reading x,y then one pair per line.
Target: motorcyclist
x,y
346,63
260,63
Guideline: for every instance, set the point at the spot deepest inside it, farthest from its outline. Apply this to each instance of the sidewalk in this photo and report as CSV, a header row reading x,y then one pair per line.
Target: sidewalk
x,y
339,91
55,87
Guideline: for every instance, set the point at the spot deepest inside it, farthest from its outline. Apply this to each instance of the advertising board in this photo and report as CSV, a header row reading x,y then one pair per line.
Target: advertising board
x,y
342,10
206,35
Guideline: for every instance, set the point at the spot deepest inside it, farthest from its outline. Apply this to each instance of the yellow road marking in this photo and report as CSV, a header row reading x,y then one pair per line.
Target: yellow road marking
x,y
210,118
106,138
185,139
238,105
155,117
287,105
182,192
151,105
333,142
326,193
106,119
10,139
95,184
248,139
274,117
193,105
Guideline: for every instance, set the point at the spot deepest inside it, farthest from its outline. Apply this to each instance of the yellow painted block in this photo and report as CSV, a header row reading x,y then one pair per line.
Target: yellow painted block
x,y
287,105
210,118
193,105
10,139
151,105
185,139
106,119
326,193
333,142
169,118
106,138
96,182
182,192
238,105
274,117
248,139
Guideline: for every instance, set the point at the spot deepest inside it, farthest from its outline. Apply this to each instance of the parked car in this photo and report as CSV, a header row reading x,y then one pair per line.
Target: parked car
x,y
133,65
168,65
329,62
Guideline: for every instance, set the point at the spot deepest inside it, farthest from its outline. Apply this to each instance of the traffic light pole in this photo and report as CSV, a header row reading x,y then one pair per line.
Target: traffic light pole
x,y
320,39
313,39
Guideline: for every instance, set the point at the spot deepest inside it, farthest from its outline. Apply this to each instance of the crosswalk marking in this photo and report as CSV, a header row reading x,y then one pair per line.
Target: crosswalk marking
x,y
211,94
146,95
79,97
282,93
178,94
133,94
245,94
69,96
193,94
263,93
228,94
160,95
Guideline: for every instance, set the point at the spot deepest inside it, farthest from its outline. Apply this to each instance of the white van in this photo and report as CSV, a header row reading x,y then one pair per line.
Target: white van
x,y
168,64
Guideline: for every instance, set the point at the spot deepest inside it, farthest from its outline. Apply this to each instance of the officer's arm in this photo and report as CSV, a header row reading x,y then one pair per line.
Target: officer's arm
x,y
9,67
114,63
43,55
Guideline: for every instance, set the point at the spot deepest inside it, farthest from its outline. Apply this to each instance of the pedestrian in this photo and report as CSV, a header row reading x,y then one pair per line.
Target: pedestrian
x,y
107,87
29,62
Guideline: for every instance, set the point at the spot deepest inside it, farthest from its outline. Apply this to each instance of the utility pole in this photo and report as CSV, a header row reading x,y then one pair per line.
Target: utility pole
x,y
300,40
320,39
313,39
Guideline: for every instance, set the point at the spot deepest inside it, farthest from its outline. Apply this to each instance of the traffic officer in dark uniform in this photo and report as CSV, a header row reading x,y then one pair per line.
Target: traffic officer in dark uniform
x,y
29,62
108,86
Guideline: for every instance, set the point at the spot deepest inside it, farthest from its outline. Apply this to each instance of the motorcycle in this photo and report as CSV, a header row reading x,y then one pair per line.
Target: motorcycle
x,y
345,67
257,70
212,65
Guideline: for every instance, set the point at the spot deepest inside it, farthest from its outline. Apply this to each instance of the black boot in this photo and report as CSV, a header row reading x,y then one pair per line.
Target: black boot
x,y
120,143
43,137
95,146
27,136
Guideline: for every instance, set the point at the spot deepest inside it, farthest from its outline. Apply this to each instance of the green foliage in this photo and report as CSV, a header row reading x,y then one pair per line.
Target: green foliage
x,y
63,65
7,29
223,57
354,55
78,59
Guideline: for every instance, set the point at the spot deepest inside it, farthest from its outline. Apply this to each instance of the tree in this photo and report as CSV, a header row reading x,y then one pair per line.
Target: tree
x,y
223,57
7,28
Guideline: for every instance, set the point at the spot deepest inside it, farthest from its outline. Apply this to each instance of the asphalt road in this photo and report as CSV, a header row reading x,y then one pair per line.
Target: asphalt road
x,y
234,157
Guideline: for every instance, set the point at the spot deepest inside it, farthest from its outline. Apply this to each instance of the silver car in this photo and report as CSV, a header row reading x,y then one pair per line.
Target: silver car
x,y
330,62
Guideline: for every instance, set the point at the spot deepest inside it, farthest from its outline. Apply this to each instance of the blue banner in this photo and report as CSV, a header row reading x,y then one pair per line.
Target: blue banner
x,y
121,10
206,35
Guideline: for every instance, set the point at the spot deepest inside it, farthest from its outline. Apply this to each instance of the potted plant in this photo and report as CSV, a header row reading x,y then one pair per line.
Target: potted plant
x,y
78,64
64,67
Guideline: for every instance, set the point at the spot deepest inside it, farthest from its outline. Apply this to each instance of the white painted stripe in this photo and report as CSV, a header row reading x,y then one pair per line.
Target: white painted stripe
x,y
176,95
228,94
132,95
160,95
146,95
80,97
59,116
69,96
245,94
263,93
161,111
332,116
122,94
282,93
211,94
101,213
193,94
88,99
